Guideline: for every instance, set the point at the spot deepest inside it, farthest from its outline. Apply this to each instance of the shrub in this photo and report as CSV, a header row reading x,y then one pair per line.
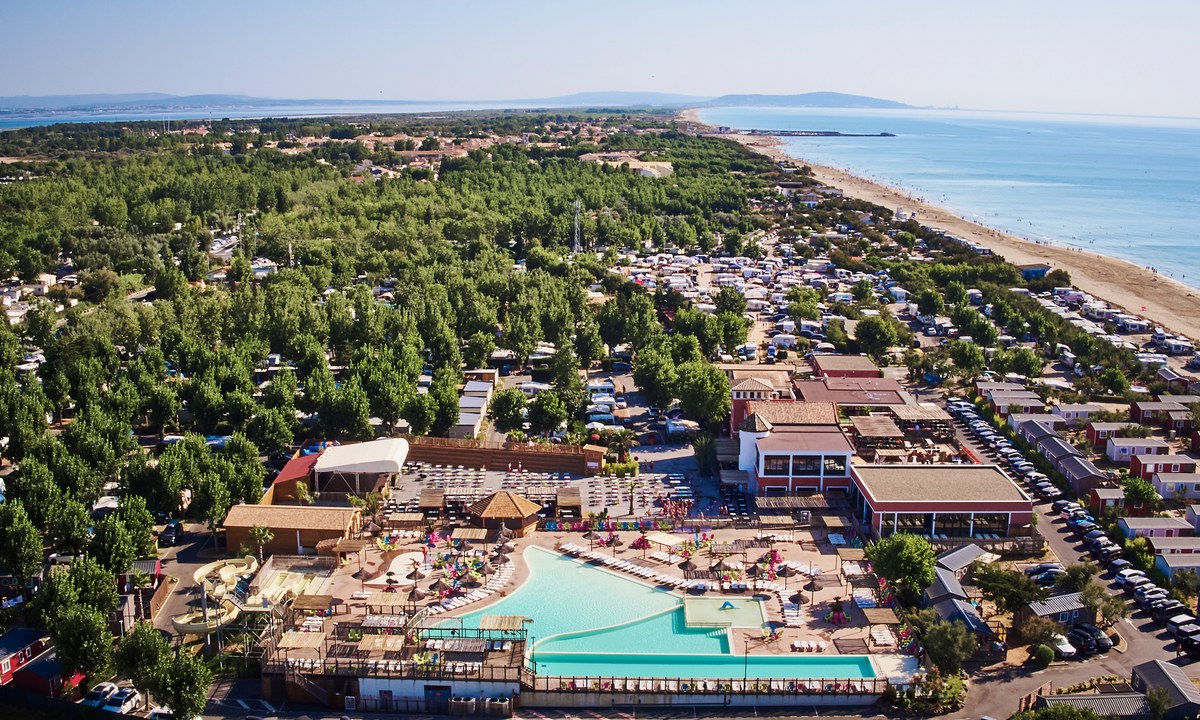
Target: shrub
x,y
1044,655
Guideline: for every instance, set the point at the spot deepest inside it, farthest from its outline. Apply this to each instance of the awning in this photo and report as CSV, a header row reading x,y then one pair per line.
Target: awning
x,y
666,540
876,426
464,533
833,522
851,554
881,616
313,603
502,622
776,520
297,640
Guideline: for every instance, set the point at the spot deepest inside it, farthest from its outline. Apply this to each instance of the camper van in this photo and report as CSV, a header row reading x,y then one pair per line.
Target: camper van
x,y
784,340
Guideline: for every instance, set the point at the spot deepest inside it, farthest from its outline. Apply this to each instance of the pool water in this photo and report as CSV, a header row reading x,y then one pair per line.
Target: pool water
x,y
588,621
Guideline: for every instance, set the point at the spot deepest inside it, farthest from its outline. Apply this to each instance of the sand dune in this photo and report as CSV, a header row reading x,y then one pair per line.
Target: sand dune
x,y
1160,299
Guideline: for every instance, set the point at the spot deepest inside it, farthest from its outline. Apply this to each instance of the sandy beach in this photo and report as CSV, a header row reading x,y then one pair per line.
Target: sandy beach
x,y
1160,299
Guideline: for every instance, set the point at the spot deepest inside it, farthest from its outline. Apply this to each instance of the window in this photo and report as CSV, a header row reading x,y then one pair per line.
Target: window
x,y
775,465
1064,616
809,465
835,464
5,666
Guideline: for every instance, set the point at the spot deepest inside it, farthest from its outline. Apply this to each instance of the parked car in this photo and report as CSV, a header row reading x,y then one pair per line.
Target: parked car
x,y
1049,577
1062,648
1083,641
1166,609
1132,585
1178,621
171,534
1043,567
99,695
1102,640
1109,554
1147,594
1059,505
123,701
1124,576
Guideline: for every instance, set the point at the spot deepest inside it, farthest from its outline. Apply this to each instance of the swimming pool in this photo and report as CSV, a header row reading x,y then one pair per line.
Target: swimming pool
x,y
588,621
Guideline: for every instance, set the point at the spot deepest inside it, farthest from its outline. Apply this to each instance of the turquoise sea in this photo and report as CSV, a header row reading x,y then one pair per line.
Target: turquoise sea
x,y
1127,187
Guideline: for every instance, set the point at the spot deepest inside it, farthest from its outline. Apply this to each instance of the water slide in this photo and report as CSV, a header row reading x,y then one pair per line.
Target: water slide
x,y
193,623
217,579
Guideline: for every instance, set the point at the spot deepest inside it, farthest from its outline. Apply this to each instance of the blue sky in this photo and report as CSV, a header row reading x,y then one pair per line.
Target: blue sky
x,y
1039,55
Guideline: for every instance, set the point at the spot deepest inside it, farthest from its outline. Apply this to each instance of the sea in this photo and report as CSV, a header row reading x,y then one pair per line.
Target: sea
x,y
1126,187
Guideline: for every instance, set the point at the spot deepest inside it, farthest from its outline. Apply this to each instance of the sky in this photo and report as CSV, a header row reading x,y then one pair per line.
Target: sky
x,y
1085,56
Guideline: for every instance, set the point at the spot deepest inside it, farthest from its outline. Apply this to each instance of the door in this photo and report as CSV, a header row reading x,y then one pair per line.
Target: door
x,y
437,699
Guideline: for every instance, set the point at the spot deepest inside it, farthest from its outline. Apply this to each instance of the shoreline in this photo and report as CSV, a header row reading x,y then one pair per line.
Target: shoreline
x,y
1166,302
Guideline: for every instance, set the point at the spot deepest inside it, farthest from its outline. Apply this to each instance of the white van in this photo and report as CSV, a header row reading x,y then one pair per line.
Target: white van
x,y
602,418
784,340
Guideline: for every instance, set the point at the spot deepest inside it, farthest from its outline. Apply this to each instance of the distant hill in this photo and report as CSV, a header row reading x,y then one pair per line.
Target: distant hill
x,y
623,99
157,102
812,99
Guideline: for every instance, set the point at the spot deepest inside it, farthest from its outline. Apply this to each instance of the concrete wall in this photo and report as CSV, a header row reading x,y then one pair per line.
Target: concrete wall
x,y
607,700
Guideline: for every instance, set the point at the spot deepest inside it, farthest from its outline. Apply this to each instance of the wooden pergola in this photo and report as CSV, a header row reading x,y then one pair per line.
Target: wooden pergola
x,y
568,502
406,520
833,522
387,602
297,640
881,616
793,502
465,533
503,622
313,603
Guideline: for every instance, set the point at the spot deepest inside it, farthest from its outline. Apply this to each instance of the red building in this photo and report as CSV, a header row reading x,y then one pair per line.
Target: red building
x,y
43,675
18,647
844,366
1098,433
1147,466
950,501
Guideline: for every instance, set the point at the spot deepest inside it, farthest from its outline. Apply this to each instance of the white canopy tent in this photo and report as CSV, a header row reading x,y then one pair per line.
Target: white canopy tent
x,y
360,467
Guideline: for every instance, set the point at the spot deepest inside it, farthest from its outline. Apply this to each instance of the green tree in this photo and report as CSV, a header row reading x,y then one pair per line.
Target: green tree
x,y
930,302
83,641
183,686
949,645
1009,590
479,347
137,519
905,559
1025,361
968,358
655,375
546,413
21,546
112,545
875,335
1057,712
507,410
1113,380
141,655
1076,577
1139,492
93,584
261,535
703,391
956,293
729,300
69,527
1039,630
1159,700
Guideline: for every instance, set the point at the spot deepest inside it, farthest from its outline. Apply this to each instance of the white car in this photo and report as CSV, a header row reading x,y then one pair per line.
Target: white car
x,y
123,701
1124,577
99,695
164,713
1063,648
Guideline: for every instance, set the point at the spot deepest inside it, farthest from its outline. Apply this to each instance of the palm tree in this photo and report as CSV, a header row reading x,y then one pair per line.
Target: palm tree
x,y
621,441
139,580
261,535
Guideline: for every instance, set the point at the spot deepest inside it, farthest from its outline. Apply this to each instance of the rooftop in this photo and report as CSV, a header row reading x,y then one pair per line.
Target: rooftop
x,y
793,412
504,504
1157,673
18,639
937,483
843,363
853,391
1056,604
1155,523
1106,705
1137,442
386,455
817,438
960,558
307,517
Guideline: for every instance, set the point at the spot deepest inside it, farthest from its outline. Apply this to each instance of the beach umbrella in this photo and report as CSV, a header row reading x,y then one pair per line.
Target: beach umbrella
x,y
465,547
591,535
500,559
753,570
616,541
416,574
371,528
487,569
719,565
440,585
505,548
417,594
688,565
506,532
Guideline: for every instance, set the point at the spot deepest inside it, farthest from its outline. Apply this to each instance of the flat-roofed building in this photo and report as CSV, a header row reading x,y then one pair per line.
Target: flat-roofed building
x,y
297,528
950,501
786,460
847,392
845,366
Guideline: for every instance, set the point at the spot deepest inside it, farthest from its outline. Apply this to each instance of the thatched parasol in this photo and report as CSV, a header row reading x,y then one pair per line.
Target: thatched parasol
x,y
688,565
487,569
591,535
371,528
440,585
719,565
417,594
501,559
506,532
753,570
416,574
616,541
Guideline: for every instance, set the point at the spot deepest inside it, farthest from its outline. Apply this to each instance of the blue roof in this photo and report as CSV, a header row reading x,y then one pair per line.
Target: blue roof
x,y
954,609
45,665
17,639
945,584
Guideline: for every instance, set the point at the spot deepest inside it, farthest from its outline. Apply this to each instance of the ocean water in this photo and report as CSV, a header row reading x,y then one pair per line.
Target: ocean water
x,y
12,121
1125,187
